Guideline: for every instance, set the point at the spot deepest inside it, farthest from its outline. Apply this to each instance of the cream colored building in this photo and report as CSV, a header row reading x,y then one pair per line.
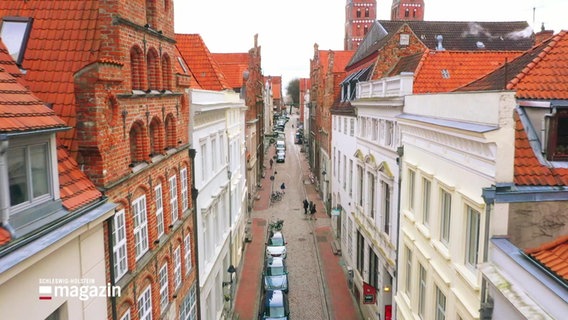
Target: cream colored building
x,y
218,134
455,145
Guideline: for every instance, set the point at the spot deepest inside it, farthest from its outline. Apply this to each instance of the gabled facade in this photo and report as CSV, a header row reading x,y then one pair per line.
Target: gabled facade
x,y
112,72
52,216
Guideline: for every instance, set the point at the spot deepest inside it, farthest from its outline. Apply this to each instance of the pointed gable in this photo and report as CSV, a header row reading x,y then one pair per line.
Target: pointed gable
x,y
205,69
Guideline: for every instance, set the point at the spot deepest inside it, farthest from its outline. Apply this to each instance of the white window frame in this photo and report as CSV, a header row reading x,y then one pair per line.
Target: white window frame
x,y
140,217
445,216
172,181
472,237
184,189
164,292
145,304
441,303
51,170
204,171
188,309
158,195
422,276
426,200
386,206
214,153
126,315
119,247
408,276
187,253
411,189
177,267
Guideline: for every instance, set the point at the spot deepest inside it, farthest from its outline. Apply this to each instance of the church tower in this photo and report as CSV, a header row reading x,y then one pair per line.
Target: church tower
x,y
407,10
359,17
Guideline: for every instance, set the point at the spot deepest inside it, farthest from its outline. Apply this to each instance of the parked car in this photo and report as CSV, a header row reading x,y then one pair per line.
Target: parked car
x,y
280,145
281,156
275,274
275,305
276,245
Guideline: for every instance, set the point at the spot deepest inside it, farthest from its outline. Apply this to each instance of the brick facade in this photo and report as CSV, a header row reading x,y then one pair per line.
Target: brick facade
x,y
407,10
359,18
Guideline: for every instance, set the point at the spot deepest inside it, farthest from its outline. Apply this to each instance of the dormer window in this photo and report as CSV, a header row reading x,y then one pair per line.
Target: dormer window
x,y
557,149
15,32
30,173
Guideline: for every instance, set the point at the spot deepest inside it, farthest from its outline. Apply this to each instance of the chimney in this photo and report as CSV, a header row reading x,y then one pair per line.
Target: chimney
x,y
439,47
542,35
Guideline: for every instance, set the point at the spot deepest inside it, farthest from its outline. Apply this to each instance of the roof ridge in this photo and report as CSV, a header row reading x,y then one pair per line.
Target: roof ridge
x,y
530,66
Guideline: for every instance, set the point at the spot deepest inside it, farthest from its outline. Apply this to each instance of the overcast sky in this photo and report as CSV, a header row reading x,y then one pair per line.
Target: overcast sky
x,y
287,30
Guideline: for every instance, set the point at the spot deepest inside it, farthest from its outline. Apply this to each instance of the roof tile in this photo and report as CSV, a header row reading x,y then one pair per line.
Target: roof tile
x,y
553,255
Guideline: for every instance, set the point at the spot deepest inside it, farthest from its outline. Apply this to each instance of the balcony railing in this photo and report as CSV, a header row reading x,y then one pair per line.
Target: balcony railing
x,y
397,86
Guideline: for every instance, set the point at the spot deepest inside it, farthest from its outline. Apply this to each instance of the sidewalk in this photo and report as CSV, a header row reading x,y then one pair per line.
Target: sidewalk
x,y
340,302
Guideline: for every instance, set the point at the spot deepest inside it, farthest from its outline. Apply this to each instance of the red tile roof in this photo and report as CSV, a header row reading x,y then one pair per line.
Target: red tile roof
x,y
5,236
443,71
553,256
75,188
340,59
276,87
233,66
528,171
546,77
64,38
20,110
205,69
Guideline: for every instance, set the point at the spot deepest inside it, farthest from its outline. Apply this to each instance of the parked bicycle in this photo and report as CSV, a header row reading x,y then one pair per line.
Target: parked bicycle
x,y
276,196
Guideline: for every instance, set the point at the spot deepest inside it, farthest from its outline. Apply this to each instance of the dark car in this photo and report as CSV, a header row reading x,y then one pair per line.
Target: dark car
x,y
275,274
275,306
281,156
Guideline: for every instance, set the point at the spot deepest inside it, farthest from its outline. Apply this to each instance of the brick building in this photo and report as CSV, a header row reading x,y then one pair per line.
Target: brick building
x,y
112,72
359,17
406,10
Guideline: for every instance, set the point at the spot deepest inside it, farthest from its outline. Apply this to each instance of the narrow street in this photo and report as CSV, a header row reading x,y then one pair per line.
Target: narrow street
x,y
317,280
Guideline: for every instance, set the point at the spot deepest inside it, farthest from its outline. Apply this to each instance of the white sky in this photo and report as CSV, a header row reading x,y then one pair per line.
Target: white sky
x,y
287,30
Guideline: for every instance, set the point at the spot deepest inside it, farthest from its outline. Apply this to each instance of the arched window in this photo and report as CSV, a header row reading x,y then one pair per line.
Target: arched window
x,y
137,143
166,72
406,13
153,69
366,12
171,134
358,13
157,137
136,68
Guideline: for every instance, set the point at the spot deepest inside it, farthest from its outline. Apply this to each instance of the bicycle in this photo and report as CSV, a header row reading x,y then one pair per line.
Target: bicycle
x,y
276,196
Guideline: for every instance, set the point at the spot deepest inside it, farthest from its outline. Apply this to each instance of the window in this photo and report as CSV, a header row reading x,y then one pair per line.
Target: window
x,y
140,226
156,137
119,244
184,189
137,137
352,127
406,13
164,294
188,310
173,198
440,305
350,177
159,210
426,187
360,186
145,305
153,69
360,252
445,213
177,267
345,125
389,133
344,171
214,154
408,279
15,32
557,146
373,268
187,253
29,174
166,72
472,237
366,12
371,194
386,206
421,291
204,161
375,130
126,315
411,189
358,14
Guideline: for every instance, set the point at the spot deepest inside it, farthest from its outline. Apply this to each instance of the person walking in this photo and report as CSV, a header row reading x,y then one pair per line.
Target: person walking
x,y
282,188
306,206
313,212
271,163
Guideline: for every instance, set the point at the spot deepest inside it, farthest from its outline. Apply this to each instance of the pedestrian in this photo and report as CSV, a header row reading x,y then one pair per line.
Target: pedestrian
x,y
283,187
310,206
306,205
271,163
313,212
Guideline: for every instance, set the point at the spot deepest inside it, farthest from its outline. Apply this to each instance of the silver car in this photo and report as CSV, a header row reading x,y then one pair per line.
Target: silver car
x,y
275,274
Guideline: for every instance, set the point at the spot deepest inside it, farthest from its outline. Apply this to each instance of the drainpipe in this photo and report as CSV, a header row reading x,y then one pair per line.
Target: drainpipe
x,y
4,185
486,310
400,152
194,193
